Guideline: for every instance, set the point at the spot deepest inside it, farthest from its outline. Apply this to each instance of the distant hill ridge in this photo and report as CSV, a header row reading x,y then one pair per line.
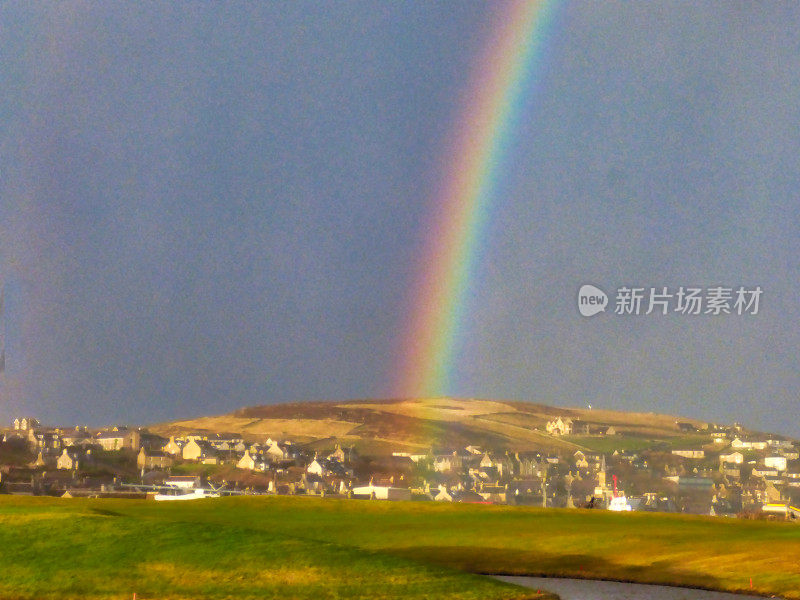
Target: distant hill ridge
x,y
423,423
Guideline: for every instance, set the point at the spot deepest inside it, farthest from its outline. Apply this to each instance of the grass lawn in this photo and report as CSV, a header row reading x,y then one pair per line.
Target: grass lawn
x,y
607,444
265,547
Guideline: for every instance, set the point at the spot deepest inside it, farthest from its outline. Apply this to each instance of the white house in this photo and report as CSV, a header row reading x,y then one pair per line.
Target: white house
x,y
764,472
275,452
67,461
172,447
748,445
247,461
199,450
119,439
580,460
193,450
776,462
39,462
338,454
559,426
448,462
780,444
25,423
316,468
443,495
736,458
487,462
689,453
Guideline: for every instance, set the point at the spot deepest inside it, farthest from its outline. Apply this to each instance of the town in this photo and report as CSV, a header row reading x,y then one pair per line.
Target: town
x,y
727,471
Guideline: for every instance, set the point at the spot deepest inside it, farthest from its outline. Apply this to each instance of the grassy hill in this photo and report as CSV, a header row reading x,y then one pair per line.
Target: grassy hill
x,y
267,547
418,424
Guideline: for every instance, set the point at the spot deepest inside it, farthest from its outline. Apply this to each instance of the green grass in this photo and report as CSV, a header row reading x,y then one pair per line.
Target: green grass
x,y
607,444
227,548
265,547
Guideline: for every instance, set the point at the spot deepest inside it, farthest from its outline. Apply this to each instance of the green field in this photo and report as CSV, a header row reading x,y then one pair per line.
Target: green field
x,y
265,547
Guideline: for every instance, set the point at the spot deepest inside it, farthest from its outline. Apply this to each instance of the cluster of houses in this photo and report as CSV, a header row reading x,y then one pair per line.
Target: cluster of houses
x,y
569,426
728,472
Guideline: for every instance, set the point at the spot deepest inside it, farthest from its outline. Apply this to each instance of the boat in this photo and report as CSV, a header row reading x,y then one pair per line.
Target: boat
x,y
619,503
190,495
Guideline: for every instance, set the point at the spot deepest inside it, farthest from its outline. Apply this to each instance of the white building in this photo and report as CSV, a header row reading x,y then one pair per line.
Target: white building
x,y
776,462
67,461
689,453
25,423
559,426
443,495
748,445
247,461
382,492
736,458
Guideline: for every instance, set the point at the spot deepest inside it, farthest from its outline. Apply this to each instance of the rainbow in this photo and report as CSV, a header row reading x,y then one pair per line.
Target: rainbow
x,y
503,79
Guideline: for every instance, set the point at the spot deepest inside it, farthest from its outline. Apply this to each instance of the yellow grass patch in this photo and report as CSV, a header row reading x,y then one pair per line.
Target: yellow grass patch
x,y
444,409
218,423
193,576
18,518
269,427
613,417
316,428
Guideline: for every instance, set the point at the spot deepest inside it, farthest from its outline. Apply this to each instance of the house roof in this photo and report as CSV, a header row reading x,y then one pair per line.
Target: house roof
x,y
468,496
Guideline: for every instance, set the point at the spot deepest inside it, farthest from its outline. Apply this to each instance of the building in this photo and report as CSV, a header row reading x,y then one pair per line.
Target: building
x,y
740,444
25,423
736,458
776,462
338,454
559,426
382,492
67,460
199,450
154,459
172,447
119,439
317,467
689,453
247,461
442,495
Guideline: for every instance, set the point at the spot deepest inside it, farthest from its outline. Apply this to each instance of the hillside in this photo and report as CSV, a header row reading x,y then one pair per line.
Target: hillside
x,y
419,424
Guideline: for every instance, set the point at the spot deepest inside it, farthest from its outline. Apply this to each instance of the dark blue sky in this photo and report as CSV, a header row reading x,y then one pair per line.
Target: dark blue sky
x,y
208,206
